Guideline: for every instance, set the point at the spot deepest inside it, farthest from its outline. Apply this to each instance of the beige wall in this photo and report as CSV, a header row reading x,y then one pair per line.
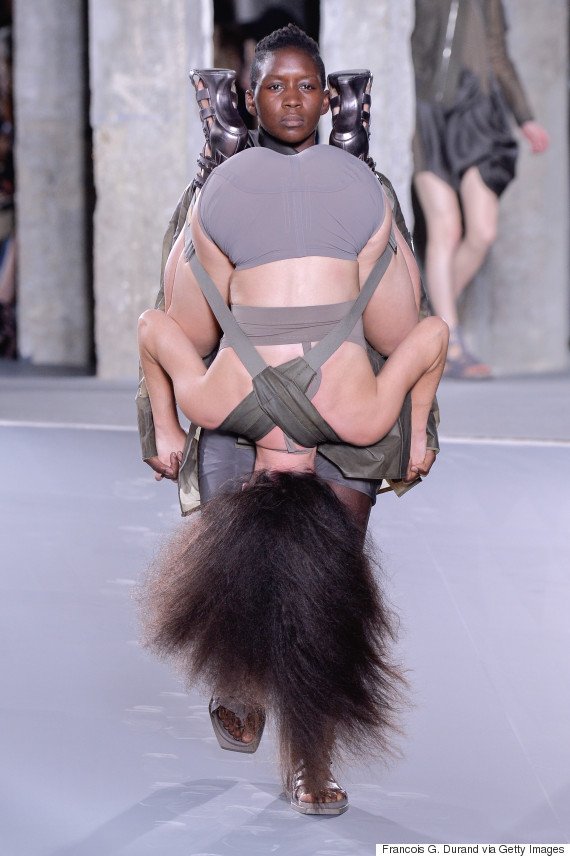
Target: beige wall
x,y
53,307
146,139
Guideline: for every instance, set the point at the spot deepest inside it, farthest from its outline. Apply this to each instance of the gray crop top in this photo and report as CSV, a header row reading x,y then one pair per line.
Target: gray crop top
x,y
261,206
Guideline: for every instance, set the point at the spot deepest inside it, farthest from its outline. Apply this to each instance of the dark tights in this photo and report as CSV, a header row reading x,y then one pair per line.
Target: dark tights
x,y
358,503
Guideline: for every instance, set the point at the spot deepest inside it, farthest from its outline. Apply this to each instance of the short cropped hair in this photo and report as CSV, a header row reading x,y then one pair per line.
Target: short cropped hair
x,y
290,36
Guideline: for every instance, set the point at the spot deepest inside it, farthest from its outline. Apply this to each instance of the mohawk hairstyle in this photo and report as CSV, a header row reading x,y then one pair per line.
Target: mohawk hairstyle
x,y
290,36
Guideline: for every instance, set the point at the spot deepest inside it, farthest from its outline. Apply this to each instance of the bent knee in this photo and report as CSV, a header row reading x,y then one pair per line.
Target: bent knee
x,y
434,327
368,434
482,235
444,230
147,319
148,326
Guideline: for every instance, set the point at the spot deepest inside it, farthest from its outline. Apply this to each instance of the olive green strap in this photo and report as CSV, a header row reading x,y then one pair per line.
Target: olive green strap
x,y
324,349
233,332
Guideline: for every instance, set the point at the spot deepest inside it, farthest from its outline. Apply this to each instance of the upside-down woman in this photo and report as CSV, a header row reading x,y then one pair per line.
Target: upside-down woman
x,y
270,595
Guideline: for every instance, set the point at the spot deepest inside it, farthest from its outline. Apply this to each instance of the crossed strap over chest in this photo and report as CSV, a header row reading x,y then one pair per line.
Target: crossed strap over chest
x,y
278,397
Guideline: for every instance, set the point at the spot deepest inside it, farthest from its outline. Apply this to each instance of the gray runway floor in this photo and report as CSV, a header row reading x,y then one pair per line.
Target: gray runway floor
x,y
104,754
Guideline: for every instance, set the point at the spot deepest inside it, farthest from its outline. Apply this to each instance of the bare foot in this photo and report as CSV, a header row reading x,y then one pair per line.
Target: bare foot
x,y
332,799
327,796
170,445
244,731
418,465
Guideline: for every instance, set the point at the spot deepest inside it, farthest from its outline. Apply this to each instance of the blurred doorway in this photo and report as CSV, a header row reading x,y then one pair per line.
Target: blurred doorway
x,y
8,343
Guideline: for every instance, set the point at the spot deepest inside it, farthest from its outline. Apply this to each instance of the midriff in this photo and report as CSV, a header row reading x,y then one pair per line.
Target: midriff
x,y
306,281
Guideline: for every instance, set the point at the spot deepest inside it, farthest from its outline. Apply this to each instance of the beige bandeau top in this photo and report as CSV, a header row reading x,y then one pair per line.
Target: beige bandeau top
x,y
261,206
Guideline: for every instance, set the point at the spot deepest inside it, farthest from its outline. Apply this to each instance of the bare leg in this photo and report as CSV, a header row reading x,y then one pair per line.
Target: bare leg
x,y
167,354
481,214
412,266
443,221
417,365
450,261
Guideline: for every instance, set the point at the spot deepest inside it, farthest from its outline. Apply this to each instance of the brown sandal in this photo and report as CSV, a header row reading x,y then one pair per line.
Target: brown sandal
x,y
461,364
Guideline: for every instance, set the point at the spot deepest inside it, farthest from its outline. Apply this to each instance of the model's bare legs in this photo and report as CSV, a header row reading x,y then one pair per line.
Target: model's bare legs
x,y
443,223
167,354
481,215
417,365
453,260
363,413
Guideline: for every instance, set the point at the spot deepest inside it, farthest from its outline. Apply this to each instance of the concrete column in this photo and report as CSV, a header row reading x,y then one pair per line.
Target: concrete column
x,y
377,36
53,305
147,136
516,313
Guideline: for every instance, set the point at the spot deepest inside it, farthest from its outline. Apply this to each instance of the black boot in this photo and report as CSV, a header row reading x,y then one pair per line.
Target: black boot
x,y
226,134
351,124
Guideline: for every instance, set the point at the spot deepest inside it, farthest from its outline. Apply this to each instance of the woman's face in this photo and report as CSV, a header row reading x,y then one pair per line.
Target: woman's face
x,y
289,99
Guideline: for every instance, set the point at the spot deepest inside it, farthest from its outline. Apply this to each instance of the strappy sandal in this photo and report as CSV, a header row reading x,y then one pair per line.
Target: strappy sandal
x,y
461,364
328,808
251,717
350,106
226,134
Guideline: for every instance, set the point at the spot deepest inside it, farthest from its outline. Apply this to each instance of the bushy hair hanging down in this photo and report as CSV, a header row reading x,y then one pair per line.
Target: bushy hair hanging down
x,y
270,597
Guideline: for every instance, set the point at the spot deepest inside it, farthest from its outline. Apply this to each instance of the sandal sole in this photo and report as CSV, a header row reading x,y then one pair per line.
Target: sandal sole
x,y
331,809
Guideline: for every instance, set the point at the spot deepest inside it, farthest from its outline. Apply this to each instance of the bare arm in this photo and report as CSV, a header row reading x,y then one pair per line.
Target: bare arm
x,y
503,65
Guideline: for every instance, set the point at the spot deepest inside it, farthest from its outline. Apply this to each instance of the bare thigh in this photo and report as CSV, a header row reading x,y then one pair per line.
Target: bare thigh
x,y
205,396
186,304
362,408
393,308
480,209
440,207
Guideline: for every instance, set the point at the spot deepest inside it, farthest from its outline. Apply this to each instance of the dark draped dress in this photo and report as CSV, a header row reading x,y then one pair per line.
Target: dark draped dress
x,y
466,89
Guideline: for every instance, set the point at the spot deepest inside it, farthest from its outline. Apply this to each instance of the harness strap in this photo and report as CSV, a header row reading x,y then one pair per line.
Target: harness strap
x,y
320,353
233,332
323,349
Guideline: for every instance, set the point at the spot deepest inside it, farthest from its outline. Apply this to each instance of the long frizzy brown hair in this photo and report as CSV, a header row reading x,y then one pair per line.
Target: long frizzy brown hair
x,y
270,596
